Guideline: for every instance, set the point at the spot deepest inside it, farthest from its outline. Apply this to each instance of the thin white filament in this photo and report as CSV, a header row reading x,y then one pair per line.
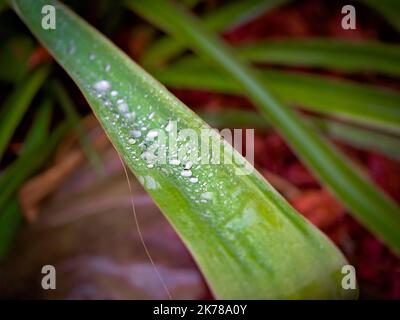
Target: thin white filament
x,y
141,235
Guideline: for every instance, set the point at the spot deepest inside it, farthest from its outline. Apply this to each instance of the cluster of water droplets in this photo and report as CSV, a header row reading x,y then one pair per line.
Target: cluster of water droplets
x,y
141,133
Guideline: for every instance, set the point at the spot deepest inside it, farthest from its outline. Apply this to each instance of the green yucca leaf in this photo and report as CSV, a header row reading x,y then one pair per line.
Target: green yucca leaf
x,y
348,56
14,107
364,104
242,233
228,16
368,204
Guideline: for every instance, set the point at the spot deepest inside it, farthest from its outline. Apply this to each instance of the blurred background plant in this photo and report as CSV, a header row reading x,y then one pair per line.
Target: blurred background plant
x,y
343,82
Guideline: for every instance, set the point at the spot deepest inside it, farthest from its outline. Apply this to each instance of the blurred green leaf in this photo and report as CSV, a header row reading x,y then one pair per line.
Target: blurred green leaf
x,y
10,220
361,138
352,135
40,127
17,103
230,15
10,215
27,164
390,9
14,54
3,5
233,118
348,56
360,103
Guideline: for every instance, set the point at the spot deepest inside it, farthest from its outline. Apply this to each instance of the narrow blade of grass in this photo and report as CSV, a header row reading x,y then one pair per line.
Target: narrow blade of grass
x,y
367,203
10,214
363,104
254,238
15,106
347,56
27,164
358,137
10,220
40,128
37,135
228,16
